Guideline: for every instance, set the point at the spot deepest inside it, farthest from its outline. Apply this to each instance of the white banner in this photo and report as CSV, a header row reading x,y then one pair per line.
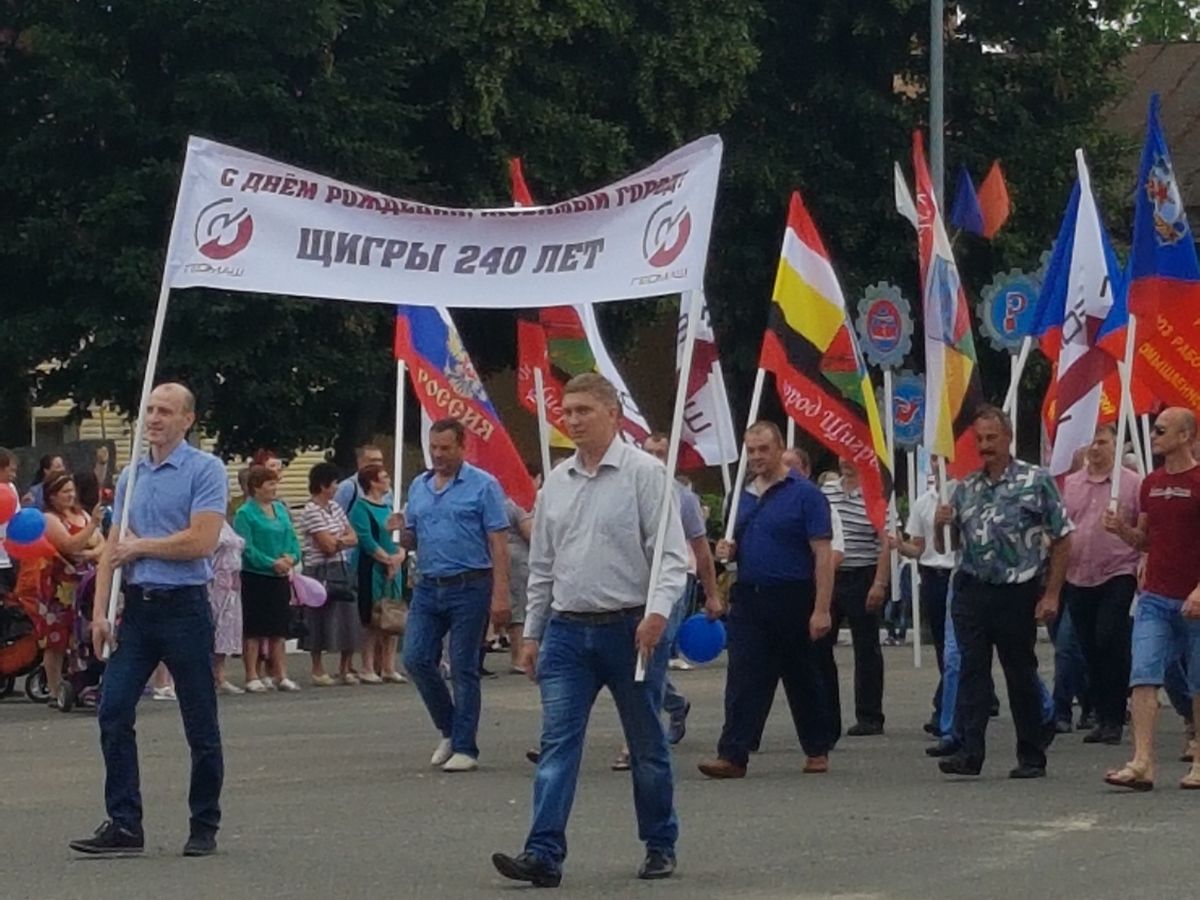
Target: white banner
x,y
247,223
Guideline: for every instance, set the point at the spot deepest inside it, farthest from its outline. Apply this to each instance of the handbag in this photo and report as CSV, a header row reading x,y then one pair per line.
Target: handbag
x,y
336,578
390,614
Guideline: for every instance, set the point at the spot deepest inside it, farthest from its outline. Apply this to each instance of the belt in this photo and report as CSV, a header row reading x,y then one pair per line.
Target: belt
x,y
458,579
158,595
608,617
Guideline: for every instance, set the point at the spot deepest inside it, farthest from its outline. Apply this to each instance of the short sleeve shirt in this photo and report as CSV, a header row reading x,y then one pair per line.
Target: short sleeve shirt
x,y
317,519
920,525
1004,525
165,497
452,524
1171,503
773,531
859,533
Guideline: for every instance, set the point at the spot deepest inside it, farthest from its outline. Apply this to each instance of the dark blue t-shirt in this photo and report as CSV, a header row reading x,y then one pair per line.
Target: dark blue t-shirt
x,y
773,531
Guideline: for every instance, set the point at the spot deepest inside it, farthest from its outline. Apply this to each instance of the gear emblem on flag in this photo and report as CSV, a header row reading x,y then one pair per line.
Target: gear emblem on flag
x,y
884,325
1008,309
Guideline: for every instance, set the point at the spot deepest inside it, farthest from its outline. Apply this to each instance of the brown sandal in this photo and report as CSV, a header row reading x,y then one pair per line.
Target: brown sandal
x,y
1191,781
1131,777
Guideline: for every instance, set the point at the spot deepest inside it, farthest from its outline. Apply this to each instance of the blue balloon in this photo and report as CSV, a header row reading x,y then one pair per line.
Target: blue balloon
x,y
700,640
26,526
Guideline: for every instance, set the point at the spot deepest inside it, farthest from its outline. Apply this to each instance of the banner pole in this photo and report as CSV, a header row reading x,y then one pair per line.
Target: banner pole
x,y
1125,412
913,574
398,439
944,497
755,400
889,433
1017,369
694,301
791,432
1135,439
1147,450
543,424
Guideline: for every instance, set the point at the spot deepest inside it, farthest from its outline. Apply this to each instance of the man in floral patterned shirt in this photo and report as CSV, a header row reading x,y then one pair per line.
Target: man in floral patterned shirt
x,y
1010,524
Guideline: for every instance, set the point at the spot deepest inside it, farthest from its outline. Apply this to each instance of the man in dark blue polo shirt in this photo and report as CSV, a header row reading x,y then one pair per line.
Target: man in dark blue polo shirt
x,y
175,513
779,607
456,521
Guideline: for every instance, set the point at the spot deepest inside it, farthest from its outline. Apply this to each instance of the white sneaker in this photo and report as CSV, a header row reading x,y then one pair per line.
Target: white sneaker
x,y
288,685
679,664
370,678
163,693
350,678
460,762
268,683
256,686
443,753
394,678
229,688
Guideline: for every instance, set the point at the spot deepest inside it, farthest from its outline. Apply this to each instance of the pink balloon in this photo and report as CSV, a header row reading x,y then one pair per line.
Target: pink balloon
x,y
39,549
8,503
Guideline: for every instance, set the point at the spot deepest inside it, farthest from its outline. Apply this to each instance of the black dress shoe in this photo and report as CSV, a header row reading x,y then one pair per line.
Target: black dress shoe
x,y
943,748
201,843
527,867
111,840
960,765
864,729
534,756
1028,771
932,728
1103,735
658,864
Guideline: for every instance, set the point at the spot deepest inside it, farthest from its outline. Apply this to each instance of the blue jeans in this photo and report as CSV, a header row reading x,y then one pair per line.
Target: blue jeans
x,y
1070,667
461,609
576,660
952,665
176,630
674,703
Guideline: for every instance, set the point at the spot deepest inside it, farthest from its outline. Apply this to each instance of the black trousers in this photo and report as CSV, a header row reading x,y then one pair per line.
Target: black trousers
x,y
1000,616
935,585
1104,629
850,591
768,641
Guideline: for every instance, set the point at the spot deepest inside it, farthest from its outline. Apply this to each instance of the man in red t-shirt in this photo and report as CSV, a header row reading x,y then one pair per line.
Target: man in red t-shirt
x,y
1166,621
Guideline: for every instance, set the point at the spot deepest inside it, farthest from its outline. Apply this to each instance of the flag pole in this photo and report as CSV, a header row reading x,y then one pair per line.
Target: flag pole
x,y
398,439
791,432
1140,451
664,512
1017,369
728,439
889,433
1125,413
913,575
543,423
1147,450
937,89
944,497
755,400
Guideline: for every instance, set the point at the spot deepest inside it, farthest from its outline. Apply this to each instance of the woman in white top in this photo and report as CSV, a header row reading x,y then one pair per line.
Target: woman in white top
x,y
327,543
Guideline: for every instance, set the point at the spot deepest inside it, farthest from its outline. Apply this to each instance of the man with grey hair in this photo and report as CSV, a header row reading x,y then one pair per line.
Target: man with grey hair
x,y
1002,518
592,612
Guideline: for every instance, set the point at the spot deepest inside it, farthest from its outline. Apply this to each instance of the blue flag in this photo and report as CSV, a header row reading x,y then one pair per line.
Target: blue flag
x,y
965,212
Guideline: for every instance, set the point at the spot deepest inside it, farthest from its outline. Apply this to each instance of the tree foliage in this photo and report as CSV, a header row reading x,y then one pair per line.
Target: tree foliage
x,y
428,98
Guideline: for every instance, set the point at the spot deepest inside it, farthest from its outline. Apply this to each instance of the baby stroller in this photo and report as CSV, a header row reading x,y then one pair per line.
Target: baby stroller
x,y
84,671
20,651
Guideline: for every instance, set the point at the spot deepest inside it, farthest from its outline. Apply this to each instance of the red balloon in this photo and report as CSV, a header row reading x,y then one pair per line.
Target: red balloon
x,y
39,549
9,504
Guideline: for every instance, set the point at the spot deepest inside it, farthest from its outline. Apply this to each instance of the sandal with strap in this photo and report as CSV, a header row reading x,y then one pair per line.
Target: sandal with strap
x,y
1191,781
1129,776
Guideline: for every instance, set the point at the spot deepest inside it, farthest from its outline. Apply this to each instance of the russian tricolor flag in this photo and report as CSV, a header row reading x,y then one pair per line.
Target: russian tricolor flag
x,y
447,386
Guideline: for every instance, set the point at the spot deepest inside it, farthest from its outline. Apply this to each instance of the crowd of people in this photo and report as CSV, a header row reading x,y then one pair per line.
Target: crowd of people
x,y
569,587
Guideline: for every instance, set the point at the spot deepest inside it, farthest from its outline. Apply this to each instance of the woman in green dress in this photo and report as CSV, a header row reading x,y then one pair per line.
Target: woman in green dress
x,y
380,573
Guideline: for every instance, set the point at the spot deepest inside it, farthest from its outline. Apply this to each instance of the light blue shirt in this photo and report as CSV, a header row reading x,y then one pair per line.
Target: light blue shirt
x,y
165,498
452,525
348,491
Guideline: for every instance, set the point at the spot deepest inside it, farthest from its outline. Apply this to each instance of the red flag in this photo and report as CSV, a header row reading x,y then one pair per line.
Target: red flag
x,y
520,190
993,201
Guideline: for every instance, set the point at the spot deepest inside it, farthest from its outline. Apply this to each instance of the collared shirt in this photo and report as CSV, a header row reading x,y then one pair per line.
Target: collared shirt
x,y
165,497
920,525
349,492
861,537
1097,555
594,535
452,524
1005,525
772,531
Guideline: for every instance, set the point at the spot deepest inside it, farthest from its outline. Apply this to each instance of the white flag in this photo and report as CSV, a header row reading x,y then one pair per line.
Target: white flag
x,y
904,200
708,437
633,423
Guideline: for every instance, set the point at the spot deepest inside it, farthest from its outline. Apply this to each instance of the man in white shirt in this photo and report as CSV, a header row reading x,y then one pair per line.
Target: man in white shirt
x,y
591,613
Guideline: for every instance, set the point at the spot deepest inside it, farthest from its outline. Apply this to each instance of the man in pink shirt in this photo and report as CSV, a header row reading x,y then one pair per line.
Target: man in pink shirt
x,y
1101,580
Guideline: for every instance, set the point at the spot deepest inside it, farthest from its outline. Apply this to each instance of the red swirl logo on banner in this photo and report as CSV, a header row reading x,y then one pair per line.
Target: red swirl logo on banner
x,y
221,233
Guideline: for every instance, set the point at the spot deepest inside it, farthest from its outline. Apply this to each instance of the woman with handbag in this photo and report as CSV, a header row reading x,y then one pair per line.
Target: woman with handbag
x,y
327,545
272,551
382,610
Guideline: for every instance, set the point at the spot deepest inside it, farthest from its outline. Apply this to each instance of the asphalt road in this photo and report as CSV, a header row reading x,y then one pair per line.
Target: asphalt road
x,y
328,793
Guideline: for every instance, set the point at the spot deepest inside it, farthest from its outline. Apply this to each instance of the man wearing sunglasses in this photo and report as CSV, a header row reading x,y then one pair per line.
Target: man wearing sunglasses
x,y
1166,621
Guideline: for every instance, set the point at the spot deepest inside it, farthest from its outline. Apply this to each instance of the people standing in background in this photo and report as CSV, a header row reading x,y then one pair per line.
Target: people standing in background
x,y
49,467
225,600
860,588
455,521
380,572
8,474
327,543
272,551
349,490
102,468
